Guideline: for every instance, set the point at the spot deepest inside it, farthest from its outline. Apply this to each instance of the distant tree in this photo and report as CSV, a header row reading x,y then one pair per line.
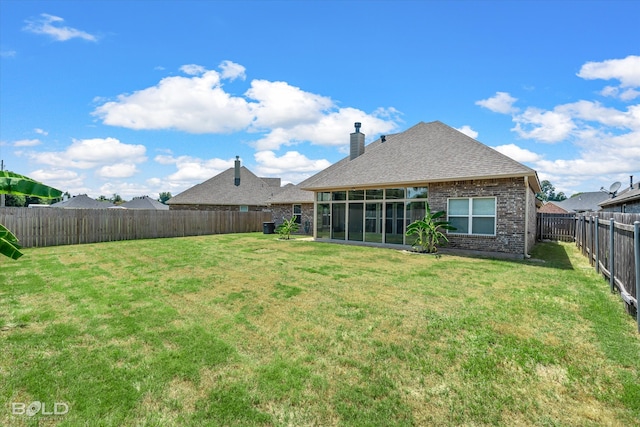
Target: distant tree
x,y
102,198
164,196
116,199
15,200
548,193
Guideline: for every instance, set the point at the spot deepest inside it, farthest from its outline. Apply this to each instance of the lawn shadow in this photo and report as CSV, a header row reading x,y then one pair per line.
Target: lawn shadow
x,y
550,254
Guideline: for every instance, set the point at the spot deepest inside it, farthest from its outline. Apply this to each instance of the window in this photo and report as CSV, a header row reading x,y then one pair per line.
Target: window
x,y
244,208
297,213
473,215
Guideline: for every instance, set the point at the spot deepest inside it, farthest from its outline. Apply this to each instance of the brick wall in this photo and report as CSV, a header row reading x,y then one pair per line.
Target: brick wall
x,y
285,211
510,196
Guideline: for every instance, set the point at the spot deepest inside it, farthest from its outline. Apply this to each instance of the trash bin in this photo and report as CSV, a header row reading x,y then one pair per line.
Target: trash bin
x,y
268,227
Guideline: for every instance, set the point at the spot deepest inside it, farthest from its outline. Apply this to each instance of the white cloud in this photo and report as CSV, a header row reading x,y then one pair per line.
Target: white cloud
x,y
41,131
292,161
90,153
27,143
62,179
518,154
281,105
626,70
466,129
193,170
198,103
232,71
120,170
195,104
51,25
8,53
332,129
502,103
544,126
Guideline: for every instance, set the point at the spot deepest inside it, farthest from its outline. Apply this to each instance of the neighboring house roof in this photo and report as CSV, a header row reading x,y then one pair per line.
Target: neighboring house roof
x,y
292,194
145,202
552,208
426,152
630,194
221,190
81,201
583,202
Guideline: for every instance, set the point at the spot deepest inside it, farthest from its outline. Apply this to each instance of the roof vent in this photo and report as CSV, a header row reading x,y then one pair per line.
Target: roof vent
x,y
357,125
236,180
383,138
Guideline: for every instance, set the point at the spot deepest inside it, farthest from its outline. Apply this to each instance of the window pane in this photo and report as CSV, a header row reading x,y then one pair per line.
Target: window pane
x,y
458,206
415,211
484,206
460,223
338,216
374,194
324,197
394,224
339,195
356,194
395,193
355,221
297,209
373,222
483,226
323,221
417,193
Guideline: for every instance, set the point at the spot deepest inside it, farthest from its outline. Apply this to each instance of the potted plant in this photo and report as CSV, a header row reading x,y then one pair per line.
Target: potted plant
x,y
429,231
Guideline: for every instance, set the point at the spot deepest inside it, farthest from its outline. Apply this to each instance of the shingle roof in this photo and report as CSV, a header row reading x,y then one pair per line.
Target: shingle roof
x,y
221,190
627,195
583,202
145,202
552,208
81,201
292,194
426,152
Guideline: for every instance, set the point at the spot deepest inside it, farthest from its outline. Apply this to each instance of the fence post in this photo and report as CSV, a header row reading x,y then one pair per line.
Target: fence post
x,y
597,242
636,246
612,269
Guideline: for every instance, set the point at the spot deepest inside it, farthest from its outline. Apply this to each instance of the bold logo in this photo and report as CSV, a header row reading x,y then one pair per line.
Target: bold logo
x,y
19,408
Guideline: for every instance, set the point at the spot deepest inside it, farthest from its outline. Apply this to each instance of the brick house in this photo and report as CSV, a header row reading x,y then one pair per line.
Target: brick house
x,y
292,201
626,201
371,196
236,189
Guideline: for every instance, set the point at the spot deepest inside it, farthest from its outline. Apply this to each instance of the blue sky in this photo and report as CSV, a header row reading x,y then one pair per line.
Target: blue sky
x,y
140,97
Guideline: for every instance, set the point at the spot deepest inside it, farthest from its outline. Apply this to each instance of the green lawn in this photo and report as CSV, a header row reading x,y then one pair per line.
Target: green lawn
x,y
250,330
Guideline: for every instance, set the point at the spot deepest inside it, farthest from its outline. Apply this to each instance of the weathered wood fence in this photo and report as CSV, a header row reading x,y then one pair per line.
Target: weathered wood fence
x,y
51,226
611,241
555,227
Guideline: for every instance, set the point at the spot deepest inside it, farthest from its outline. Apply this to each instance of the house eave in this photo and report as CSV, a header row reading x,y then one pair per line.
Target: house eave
x,y
414,183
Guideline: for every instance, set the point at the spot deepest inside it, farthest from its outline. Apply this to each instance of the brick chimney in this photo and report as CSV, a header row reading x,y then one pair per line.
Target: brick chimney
x,y
356,142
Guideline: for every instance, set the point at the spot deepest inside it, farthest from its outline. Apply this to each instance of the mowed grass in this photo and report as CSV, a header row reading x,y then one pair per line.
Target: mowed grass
x,y
249,330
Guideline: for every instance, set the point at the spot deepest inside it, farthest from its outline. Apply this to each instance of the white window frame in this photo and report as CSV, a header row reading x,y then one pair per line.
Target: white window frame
x,y
244,208
471,215
298,214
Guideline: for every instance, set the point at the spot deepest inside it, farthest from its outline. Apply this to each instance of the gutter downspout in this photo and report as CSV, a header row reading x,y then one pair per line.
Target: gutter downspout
x,y
526,218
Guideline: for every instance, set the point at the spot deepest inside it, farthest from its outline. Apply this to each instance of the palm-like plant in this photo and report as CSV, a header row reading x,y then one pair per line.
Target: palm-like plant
x,y
429,231
13,183
289,226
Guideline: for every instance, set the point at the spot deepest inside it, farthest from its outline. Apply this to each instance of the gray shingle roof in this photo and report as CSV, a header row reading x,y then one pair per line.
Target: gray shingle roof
x,y
426,152
292,194
627,195
583,202
221,190
81,201
145,202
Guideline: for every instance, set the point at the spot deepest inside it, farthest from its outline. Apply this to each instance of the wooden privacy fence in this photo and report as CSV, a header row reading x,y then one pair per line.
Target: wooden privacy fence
x,y
53,226
611,241
556,227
